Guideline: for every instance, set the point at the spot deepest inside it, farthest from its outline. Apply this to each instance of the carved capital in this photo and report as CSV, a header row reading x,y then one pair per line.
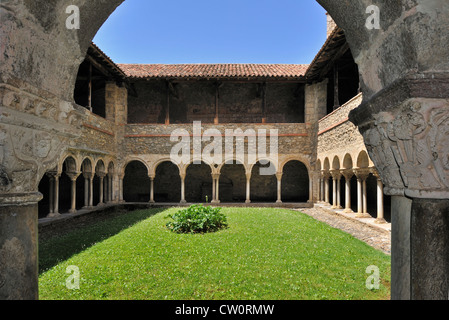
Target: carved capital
x,y
362,173
336,174
347,173
410,148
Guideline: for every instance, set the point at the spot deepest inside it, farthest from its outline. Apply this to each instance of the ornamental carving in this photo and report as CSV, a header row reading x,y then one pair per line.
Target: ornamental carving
x,y
411,148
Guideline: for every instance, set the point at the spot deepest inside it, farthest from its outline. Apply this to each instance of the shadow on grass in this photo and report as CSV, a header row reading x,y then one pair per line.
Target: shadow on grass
x,y
77,236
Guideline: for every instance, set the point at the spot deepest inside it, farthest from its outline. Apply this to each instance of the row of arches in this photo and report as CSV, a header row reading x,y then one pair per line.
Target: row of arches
x,y
228,183
362,161
86,184
354,188
71,187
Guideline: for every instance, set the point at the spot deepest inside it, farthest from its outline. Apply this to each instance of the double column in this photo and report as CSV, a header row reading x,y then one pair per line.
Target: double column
x,y
362,209
54,194
347,174
336,177
88,190
215,188
73,177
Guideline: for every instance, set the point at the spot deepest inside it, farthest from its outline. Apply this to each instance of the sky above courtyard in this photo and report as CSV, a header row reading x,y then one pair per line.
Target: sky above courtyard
x,y
214,31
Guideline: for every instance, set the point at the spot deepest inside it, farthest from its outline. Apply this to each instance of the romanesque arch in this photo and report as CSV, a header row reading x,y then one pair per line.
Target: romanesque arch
x,y
136,182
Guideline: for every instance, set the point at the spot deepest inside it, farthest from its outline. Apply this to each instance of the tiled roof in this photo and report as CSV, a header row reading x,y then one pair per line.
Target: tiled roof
x,y
219,71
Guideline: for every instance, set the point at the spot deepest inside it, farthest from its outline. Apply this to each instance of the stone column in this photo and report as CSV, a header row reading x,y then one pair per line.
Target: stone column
x,y
101,176
73,176
54,194
110,188
120,182
323,197
248,188
380,199
152,189
183,188
19,246
326,176
51,194
348,175
88,192
362,175
336,176
320,187
215,189
279,187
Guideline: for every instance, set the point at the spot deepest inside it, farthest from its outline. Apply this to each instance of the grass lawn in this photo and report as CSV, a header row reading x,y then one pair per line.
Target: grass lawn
x,y
265,254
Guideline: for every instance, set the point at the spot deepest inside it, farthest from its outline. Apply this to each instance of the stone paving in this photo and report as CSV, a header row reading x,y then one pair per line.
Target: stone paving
x,y
364,229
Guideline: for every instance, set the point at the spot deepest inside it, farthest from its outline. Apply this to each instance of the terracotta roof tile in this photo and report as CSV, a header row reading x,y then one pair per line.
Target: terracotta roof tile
x,y
242,71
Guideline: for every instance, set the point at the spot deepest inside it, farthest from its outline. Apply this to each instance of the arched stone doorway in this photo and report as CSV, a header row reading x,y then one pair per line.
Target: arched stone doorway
x,y
295,182
167,183
136,182
198,183
263,185
232,187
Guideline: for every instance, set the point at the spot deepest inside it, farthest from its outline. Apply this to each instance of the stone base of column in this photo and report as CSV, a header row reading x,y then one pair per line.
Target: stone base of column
x,y
362,215
215,202
182,202
152,201
279,201
348,211
380,221
248,201
72,211
53,215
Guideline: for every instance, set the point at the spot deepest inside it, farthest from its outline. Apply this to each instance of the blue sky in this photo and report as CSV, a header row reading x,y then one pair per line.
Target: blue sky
x,y
214,31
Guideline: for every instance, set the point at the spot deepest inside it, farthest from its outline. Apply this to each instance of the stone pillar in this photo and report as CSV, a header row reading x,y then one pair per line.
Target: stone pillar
x,y
248,188
215,182
183,188
101,176
105,189
19,246
279,187
362,175
91,190
348,175
88,190
336,176
326,176
152,189
217,190
110,178
323,198
54,194
120,182
73,176
380,199
320,187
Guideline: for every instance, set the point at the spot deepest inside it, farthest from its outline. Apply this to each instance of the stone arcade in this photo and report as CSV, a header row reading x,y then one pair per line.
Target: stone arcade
x,y
76,129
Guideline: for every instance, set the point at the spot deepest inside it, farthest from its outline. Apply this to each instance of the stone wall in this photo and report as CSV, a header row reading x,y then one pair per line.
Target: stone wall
x,y
195,101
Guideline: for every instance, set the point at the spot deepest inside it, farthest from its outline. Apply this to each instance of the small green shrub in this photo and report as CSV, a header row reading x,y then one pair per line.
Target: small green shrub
x,y
197,219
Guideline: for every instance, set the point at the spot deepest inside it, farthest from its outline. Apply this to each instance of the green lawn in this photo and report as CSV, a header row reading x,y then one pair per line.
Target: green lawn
x,y
265,254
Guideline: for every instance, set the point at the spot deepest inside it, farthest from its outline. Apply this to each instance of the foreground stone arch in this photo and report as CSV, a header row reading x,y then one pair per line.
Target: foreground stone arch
x,y
403,118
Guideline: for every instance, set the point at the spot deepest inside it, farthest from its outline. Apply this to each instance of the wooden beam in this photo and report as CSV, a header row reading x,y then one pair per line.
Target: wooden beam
x,y
336,91
264,102
167,109
89,99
